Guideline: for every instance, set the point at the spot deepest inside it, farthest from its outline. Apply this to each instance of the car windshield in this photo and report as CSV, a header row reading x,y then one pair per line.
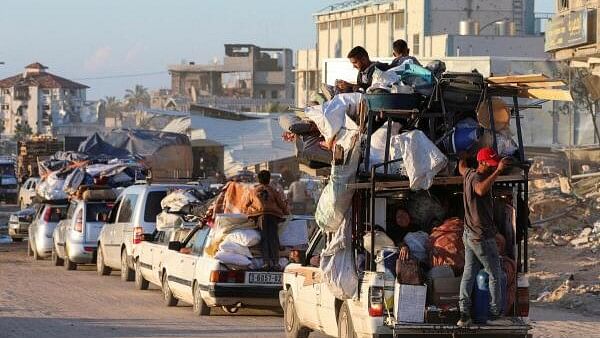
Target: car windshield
x,y
56,213
94,209
153,207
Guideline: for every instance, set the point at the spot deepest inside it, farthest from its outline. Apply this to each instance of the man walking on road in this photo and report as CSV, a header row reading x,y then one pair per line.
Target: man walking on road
x,y
480,231
267,206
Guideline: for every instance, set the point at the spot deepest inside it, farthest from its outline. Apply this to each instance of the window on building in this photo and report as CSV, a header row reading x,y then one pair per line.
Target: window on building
x,y
6,91
46,91
323,26
399,20
5,107
563,5
346,23
358,21
371,19
334,25
416,44
46,107
274,94
383,18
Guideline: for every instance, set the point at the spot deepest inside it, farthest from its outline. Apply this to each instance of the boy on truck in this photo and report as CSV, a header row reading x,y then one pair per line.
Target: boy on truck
x,y
480,231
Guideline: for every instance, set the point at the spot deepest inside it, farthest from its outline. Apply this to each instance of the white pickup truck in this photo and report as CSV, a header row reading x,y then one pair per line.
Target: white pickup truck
x,y
149,255
193,277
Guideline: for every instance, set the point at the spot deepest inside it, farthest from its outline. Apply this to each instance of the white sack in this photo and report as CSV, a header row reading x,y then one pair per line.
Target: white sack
x,y
384,79
336,197
293,232
244,237
381,240
51,188
418,245
331,116
232,258
165,220
232,247
377,152
421,158
337,263
177,200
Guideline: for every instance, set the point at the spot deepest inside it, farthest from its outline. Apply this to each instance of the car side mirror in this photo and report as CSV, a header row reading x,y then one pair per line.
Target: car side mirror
x,y
175,246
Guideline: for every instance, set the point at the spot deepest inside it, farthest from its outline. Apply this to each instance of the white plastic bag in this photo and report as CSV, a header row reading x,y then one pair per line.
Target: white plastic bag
x,y
331,116
337,263
421,158
383,79
336,197
232,247
165,220
418,245
51,188
377,153
293,233
226,257
244,237
177,200
381,240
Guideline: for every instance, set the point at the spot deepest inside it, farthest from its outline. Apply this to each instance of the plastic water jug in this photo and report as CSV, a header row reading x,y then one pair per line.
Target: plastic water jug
x,y
480,306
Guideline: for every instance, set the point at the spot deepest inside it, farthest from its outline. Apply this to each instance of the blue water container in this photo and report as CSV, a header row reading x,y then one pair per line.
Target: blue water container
x,y
481,296
480,307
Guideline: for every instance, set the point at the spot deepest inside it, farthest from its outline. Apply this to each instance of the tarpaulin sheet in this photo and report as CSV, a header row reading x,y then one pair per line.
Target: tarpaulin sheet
x,y
122,143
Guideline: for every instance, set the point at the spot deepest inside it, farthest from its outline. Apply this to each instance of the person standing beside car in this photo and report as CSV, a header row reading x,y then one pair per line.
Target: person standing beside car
x,y
267,207
479,233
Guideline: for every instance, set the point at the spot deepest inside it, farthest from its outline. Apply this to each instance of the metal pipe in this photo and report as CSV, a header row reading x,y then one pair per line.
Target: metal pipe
x,y
575,177
372,221
519,131
492,123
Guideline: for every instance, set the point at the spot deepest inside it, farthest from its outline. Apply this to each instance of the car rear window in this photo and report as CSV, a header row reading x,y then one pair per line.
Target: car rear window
x,y
57,213
93,209
153,207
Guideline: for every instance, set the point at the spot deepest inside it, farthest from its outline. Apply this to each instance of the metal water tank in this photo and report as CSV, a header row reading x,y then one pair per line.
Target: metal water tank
x,y
469,27
505,28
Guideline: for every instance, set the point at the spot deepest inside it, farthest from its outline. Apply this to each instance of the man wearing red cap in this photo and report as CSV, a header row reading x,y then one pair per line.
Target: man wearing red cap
x,y
480,231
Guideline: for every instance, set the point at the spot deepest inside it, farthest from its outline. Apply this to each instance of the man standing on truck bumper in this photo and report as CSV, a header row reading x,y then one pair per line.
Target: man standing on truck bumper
x,y
480,231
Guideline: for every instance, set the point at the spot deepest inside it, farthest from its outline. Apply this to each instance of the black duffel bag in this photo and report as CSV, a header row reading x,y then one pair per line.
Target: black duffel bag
x,y
461,92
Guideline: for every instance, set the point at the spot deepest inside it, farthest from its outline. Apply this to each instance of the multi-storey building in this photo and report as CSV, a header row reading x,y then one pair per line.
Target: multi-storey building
x,y
40,99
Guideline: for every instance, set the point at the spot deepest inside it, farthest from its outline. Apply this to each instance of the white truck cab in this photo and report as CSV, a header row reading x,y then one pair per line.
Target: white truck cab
x,y
309,305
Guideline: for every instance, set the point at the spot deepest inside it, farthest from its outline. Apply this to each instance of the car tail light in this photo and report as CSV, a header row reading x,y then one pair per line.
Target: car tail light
x,y
79,222
375,301
230,276
47,214
138,235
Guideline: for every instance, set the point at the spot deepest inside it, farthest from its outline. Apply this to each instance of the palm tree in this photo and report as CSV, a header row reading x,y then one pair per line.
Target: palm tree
x,y
137,97
113,108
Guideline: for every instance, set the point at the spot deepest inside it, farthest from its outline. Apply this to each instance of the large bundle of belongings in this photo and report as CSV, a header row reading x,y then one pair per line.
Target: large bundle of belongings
x,y
409,126
115,159
235,239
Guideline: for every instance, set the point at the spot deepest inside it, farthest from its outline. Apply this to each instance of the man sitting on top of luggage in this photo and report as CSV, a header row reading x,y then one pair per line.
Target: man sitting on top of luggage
x,y
401,54
268,208
360,60
480,231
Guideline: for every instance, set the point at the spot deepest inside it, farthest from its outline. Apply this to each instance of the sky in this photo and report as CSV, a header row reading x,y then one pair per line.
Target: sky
x,y
97,42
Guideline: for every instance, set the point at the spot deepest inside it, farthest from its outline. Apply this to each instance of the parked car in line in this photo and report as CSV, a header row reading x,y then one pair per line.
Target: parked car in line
x,y
47,217
132,219
76,237
18,223
27,191
193,277
149,255
8,180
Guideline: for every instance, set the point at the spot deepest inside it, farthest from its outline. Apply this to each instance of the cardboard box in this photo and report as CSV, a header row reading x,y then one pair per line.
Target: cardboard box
x,y
444,291
409,303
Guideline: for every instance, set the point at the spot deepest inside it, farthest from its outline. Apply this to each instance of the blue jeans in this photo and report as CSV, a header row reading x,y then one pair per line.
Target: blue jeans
x,y
477,254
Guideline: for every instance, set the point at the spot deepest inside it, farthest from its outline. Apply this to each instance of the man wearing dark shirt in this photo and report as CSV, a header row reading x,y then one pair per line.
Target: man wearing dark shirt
x,y
478,236
360,60
401,53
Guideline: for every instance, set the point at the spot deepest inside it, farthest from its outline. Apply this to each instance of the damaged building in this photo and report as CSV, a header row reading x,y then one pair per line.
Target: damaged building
x,y
249,79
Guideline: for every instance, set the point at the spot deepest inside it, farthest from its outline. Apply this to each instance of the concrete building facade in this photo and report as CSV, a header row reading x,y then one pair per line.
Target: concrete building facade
x,y
40,99
432,29
247,71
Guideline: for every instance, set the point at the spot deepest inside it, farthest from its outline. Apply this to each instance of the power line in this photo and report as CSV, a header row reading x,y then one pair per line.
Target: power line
x,y
121,76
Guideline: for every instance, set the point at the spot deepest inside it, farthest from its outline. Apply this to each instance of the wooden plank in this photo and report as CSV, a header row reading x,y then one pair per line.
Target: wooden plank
x,y
518,78
546,94
545,84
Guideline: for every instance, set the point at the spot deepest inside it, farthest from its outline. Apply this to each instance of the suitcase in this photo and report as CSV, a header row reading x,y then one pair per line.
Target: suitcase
x,y
462,92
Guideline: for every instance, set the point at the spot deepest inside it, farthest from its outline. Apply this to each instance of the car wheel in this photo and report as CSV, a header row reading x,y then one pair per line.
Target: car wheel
x,y
69,265
127,275
56,261
291,321
345,326
168,297
140,282
199,306
102,269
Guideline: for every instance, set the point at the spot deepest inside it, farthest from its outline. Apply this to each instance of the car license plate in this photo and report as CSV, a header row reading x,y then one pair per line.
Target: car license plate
x,y
264,278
